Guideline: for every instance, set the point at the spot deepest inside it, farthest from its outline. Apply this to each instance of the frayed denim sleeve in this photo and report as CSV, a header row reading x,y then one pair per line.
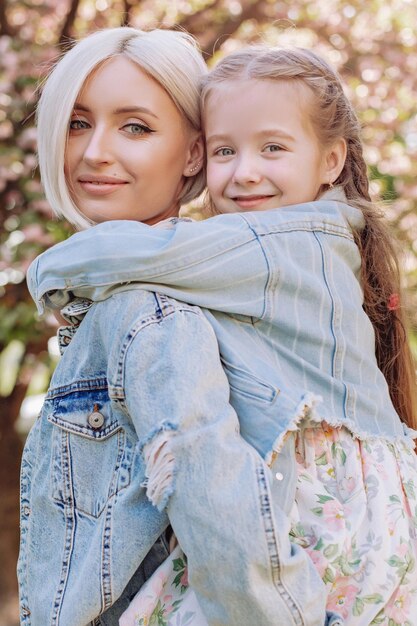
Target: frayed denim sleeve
x,y
215,487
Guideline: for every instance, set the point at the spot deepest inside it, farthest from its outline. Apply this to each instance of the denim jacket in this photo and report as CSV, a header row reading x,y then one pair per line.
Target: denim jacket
x,y
136,431
285,298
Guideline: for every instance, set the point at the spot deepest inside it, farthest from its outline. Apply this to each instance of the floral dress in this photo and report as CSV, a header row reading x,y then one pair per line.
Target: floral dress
x,y
356,515
166,598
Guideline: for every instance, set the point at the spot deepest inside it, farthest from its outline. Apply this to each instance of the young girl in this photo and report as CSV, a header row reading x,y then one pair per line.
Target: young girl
x,y
305,302
136,430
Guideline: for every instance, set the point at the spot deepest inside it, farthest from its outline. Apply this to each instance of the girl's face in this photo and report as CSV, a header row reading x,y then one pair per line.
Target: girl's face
x,y
128,146
262,152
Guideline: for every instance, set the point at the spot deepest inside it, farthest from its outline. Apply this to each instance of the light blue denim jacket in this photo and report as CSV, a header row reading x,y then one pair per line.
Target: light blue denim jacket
x,y
285,298
286,305
141,372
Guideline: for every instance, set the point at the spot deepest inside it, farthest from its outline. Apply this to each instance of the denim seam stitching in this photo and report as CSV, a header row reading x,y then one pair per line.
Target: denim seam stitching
x,y
25,488
134,330
268,287
272,546
335,230
106,587
335,373
93,384
69,515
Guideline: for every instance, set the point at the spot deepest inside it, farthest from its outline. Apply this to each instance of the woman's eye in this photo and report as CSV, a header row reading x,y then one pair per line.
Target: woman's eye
x,y
134,128
78,124
224,152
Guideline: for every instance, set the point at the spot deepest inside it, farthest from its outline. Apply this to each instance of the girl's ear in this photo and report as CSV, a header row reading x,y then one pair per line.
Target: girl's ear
x,y
335,160
195,159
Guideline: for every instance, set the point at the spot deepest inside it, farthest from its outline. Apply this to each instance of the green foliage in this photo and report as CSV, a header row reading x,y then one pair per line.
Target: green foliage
x,y
10,360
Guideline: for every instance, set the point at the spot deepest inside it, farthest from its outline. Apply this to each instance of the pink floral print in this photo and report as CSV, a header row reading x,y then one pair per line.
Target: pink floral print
x,y
166,598
356,515
341,599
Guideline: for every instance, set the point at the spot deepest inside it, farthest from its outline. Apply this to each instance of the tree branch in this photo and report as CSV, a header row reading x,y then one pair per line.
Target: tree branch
x,y
230,26
66,30
208,36
5,28
127,12
197,21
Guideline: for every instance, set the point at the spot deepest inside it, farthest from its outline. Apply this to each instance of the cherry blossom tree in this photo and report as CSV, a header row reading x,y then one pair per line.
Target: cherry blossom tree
x,y
374,46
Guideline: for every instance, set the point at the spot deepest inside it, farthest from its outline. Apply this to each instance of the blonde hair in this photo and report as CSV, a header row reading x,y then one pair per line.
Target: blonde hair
x,y
333,117
172,58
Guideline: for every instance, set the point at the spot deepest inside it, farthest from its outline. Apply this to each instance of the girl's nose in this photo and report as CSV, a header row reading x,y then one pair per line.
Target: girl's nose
x,y
98,150
246,171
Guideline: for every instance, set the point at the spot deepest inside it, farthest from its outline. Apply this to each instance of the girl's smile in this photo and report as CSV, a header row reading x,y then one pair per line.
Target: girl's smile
x,y
251,202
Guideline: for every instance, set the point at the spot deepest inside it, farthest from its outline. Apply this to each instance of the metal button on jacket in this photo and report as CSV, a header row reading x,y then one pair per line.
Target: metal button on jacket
x,y
96,419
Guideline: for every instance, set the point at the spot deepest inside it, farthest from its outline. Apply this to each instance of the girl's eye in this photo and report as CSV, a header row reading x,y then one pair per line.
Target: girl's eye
x,y
224,152
78,124
135,128
273,147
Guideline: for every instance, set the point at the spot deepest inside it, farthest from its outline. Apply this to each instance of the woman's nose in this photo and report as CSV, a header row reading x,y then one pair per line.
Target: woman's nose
x,y
98,149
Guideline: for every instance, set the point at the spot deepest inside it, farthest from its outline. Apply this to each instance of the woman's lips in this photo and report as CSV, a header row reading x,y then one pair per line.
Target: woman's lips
x,y
100,187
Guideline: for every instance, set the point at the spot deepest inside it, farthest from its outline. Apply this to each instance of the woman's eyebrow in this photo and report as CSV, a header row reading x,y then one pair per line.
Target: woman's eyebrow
x,y
126,109
81,107
136,109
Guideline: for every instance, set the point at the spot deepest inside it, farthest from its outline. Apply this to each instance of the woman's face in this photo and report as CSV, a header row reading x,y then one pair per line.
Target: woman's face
x,y
128,146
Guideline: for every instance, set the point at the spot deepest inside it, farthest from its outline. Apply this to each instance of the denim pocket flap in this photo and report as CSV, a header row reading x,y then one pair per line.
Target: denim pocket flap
x,y
90,456
85,412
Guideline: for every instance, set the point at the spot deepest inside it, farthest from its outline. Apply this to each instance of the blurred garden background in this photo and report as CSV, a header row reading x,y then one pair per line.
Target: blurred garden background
x,y
374,46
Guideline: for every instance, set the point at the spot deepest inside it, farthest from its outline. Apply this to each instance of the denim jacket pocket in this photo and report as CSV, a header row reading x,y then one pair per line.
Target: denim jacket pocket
x,y
91,456
246,384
